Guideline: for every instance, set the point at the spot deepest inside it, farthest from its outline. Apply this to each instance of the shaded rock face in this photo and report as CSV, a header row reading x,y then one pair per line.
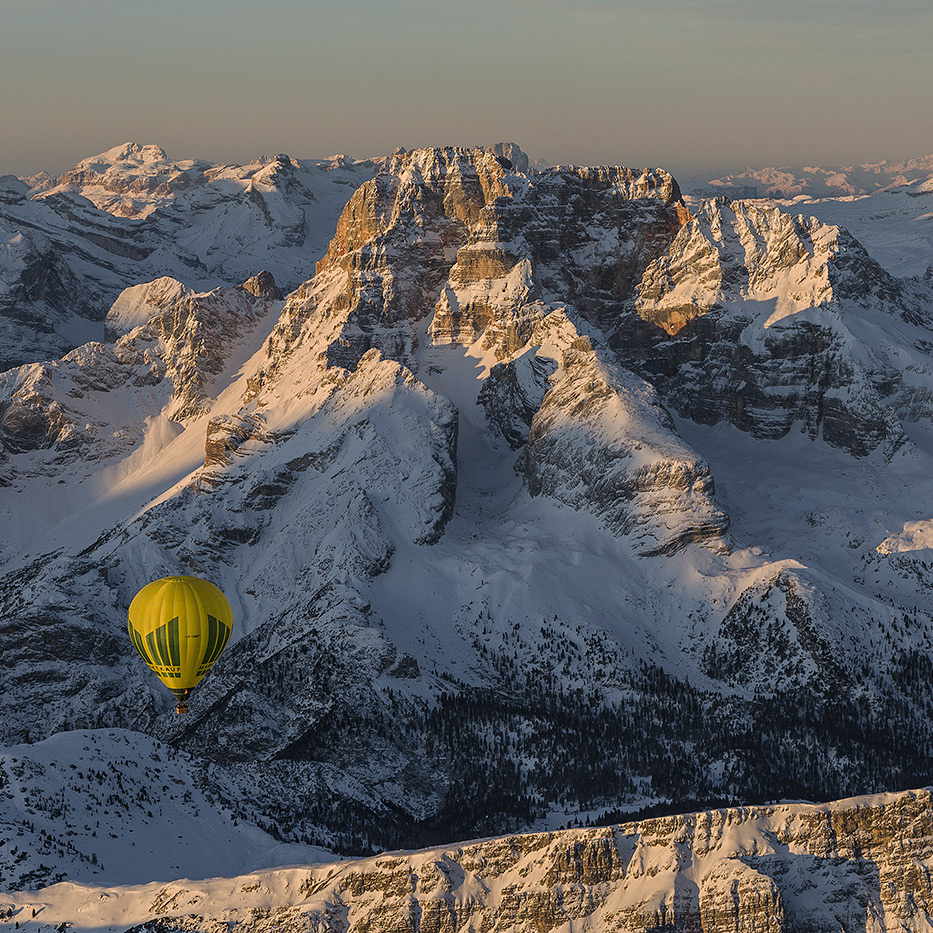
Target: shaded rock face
x,y
40,291
857,865
746,322
262,285
639,477
512,394
582,236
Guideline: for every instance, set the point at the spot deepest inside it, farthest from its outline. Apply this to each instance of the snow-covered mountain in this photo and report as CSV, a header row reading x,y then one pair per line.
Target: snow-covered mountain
x,y
542,499
131,214
817,181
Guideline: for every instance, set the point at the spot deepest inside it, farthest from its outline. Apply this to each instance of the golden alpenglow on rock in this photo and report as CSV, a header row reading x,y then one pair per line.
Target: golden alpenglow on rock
x,y
180,625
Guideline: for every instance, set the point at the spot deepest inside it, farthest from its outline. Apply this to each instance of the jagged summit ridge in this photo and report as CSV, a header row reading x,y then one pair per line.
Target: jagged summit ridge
x,y
735,250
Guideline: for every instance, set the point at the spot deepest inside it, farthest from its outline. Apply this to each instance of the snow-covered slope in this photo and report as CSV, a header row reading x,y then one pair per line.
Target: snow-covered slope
x,y
120,807
541,498
858,864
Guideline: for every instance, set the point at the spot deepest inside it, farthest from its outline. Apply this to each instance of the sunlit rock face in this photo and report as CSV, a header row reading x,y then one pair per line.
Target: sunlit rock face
x,y
582,236
395,242
859,864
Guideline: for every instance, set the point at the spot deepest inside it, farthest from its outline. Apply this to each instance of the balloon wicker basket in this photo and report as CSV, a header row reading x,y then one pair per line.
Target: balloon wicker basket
x,y
181,705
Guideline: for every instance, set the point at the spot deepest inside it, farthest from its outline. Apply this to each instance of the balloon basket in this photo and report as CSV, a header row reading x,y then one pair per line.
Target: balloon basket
x,y
181,708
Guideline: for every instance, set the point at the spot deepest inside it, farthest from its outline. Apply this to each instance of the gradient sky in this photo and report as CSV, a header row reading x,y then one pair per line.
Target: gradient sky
x,y
696,86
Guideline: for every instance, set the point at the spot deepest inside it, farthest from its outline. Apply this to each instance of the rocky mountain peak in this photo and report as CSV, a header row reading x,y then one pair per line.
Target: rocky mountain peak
x,y
131,152
262,285
492,252
128,180
786,293
514,155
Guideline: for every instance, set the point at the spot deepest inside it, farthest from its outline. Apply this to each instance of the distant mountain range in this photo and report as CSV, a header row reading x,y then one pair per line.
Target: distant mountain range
x,y
835,181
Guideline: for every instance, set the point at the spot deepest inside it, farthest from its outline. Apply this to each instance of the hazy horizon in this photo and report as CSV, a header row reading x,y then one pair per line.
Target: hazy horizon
x,y
695,86
685,171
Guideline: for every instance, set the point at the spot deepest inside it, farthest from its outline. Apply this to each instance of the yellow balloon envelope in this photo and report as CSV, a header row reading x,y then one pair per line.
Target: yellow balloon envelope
x,y
180,625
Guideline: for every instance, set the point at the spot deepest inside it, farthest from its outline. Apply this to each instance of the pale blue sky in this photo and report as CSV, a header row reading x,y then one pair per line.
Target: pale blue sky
x,y
692,85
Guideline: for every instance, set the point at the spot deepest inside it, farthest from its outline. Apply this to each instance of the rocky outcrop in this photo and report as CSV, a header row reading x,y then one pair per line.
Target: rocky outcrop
x,y
394,242
226,434
197,334
165,365
582,236
734,250
139,304
262,285
856,865
465,234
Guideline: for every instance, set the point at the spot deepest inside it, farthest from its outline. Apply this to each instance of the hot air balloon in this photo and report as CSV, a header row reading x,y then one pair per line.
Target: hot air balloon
x,y
180,625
